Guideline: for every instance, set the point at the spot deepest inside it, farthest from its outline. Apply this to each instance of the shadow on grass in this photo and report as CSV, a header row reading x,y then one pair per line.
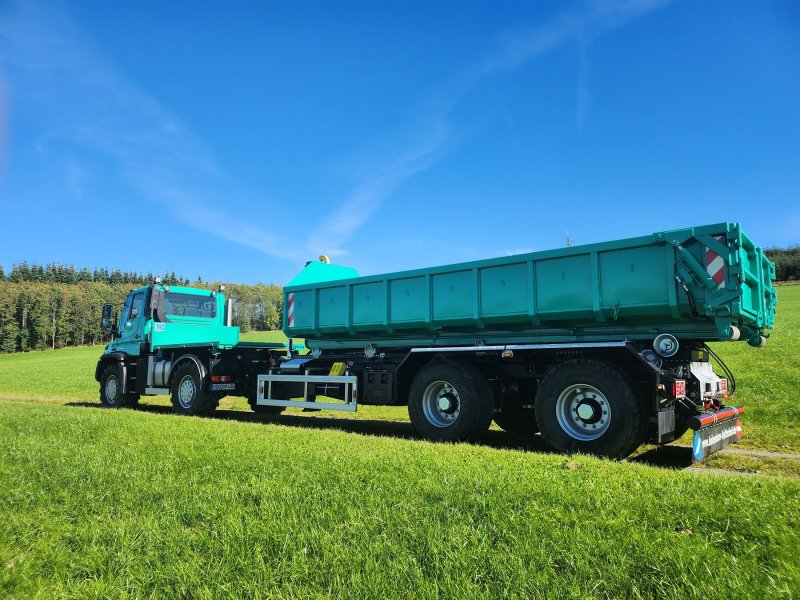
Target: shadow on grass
x,y
395,429
672,457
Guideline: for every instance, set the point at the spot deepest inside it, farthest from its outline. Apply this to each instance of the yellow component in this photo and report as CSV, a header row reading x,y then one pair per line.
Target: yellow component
x,y
337,369
324,259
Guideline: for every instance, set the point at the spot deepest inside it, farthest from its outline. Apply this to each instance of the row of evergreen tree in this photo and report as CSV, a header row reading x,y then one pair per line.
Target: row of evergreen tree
x,y
35,315
56,273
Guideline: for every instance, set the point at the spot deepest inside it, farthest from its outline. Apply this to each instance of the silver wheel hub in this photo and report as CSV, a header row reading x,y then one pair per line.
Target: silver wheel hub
x,y
583,412
186,392
112,388
441,404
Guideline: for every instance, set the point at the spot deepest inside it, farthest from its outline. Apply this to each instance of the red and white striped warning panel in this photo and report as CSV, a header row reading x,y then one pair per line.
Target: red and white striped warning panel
x,y
290,317
715,264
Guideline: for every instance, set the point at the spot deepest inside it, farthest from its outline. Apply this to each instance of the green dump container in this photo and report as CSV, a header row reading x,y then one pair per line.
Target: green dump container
x,y
699,283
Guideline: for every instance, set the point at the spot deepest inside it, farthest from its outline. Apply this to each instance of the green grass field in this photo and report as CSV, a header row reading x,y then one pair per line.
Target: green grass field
x,y
103,503
100,503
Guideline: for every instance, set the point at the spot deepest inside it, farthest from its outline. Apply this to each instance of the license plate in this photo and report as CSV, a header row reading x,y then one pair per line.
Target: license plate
x,y
714,438
220,387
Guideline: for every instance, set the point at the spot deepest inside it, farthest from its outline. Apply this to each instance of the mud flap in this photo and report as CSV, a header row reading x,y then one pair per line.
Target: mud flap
x,y
715,430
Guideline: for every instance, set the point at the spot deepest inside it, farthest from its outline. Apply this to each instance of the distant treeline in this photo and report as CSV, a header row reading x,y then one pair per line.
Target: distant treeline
x,y
54,306
787,262
55,273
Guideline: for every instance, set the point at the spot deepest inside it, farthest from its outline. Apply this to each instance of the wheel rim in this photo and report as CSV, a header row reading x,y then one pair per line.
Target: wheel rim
x,y
441,404
112,389
583,412
186,391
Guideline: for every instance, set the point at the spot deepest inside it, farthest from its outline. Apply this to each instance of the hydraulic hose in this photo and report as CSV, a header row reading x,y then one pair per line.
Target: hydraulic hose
x,y
728,372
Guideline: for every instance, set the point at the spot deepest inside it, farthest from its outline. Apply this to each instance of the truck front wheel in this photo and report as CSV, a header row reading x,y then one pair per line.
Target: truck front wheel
x,y
111,394
189,396
450,401
588,406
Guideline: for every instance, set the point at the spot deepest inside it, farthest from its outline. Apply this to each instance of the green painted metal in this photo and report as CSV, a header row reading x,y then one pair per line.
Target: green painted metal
x,y
316,272
626,289
184,330
181,330
195,330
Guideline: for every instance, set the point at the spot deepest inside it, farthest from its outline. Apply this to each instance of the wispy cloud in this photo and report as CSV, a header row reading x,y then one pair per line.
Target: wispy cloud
x,y
81,99
515,49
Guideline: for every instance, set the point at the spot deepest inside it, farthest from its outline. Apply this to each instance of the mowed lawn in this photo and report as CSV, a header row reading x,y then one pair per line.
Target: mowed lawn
x,y
101,503
141,503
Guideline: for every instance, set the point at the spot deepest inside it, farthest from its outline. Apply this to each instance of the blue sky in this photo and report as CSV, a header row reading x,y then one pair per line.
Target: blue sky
x,y
235,141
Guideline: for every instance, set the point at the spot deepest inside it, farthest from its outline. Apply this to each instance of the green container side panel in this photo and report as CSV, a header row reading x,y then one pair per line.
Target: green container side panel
x,y
369,305
694,283
410,301
453,297
504,292
563,287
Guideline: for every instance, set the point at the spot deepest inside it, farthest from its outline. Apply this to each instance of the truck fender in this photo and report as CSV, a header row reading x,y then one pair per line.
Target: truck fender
x,y
111,357
184,358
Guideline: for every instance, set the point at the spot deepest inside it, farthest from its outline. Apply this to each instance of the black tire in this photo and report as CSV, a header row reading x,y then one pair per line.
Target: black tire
x,y
189,394
111,388
264,410
471,401
518,420
587,406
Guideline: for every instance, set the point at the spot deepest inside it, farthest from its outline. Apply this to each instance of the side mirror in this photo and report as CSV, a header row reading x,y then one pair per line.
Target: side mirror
x,y
108,315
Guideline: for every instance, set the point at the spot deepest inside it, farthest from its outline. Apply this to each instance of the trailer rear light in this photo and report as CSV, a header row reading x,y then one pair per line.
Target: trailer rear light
x,y
221,378
679,388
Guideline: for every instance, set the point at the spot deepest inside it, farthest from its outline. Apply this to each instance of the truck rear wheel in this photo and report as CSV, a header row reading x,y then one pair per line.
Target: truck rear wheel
x,y
515,419
588,406
111,394
189,396
450,401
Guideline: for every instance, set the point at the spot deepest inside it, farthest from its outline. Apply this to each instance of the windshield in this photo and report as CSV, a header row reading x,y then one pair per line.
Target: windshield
x,y
126,312
190,305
